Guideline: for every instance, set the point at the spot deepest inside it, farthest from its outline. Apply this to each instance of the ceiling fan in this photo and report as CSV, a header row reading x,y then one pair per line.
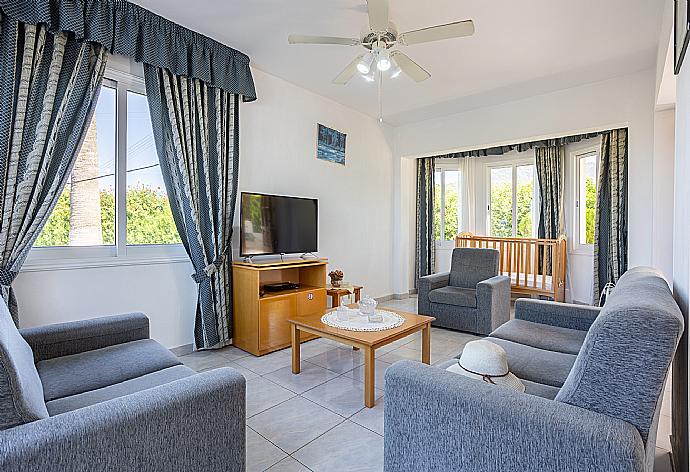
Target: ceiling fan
x,y
380,37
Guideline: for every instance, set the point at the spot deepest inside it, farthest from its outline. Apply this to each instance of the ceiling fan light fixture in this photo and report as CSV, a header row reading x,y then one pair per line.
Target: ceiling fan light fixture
x,y
364,64
384,60
395,70
370,76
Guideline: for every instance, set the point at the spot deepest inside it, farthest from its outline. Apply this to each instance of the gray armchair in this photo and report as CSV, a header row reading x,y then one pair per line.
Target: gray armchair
x,y
471,297
100,395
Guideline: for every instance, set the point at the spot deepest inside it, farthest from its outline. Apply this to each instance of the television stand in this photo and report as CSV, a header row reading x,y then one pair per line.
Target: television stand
x,y
260,317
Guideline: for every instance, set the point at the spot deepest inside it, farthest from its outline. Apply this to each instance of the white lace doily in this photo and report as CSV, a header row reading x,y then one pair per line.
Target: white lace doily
x,y
358,322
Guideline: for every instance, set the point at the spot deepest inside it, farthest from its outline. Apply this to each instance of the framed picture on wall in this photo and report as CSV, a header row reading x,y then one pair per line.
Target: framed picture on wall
x,y
681,26
330,145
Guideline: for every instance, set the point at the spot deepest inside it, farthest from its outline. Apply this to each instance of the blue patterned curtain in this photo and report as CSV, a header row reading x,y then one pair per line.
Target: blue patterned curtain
x,y
425,248
196,129
49,85
611,217
549,163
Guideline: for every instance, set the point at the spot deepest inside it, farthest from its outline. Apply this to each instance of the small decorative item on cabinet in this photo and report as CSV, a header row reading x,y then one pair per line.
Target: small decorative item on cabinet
x,y
336,277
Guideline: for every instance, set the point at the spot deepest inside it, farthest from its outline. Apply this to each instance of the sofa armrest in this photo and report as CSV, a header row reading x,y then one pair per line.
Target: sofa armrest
x,y
196,423
493,303
425,285
564,315
64,339
437,420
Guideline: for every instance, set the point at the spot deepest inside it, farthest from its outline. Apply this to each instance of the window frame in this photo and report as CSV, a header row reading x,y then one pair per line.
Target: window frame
x,y
67,257
444,167
575,156
513,164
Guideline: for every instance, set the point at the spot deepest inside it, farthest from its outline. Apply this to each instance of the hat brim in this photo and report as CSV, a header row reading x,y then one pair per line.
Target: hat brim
x,y
510,381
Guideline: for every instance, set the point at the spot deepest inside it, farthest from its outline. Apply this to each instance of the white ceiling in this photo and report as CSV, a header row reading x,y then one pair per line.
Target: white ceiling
x,y
520,48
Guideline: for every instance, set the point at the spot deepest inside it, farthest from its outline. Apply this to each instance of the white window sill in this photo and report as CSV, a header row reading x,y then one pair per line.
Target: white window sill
x,y
53,259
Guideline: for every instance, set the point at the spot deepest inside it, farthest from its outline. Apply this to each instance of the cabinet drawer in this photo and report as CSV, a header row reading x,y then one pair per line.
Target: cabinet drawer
x,y
310,302
274,330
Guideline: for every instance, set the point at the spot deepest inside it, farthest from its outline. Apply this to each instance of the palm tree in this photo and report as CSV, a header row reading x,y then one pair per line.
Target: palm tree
x,y
85,202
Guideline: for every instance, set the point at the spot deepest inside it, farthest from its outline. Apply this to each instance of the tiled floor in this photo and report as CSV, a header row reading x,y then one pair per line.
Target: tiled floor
x,y
316,420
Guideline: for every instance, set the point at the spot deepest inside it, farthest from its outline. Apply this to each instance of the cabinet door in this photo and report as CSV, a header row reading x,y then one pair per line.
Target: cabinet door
x,y
313,301
274,330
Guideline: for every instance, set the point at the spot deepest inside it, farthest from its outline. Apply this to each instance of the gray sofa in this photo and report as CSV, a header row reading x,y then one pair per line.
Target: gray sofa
x,y
100,395
595,381
471,297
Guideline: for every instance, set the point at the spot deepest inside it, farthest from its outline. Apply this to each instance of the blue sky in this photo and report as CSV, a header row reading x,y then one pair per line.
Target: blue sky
x,y
141,150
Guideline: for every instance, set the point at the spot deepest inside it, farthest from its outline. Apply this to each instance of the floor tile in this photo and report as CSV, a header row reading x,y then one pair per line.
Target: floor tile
x,y
204,360
288,465
347,447
380,367
248,374
233,353
263,394
294,423
338,360
261,454
343,395
312,348
371,418
401,354
267,363
310,376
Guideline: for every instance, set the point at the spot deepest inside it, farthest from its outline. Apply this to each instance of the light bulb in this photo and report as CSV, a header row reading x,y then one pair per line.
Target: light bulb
x,y
364,64
384,60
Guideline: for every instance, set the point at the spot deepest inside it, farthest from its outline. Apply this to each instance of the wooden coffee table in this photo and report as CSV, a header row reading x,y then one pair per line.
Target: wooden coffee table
x,y
367,341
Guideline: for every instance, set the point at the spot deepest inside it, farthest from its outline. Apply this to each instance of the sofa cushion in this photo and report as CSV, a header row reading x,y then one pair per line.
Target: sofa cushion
x,y
469,266
21,391
90,370
457,296
537,365
154,379
550,338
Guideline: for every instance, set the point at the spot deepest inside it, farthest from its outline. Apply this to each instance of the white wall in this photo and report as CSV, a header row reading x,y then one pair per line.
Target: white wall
x,y
624,101
662,224
278,155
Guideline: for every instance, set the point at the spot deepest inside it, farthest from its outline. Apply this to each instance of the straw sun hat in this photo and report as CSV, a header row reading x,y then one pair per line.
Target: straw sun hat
x,y
486,361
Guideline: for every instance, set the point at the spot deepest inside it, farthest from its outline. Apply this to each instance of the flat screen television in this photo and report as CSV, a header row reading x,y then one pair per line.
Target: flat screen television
x,y
275,224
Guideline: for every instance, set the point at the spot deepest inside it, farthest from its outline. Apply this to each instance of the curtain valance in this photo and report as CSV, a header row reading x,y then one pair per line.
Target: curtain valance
x,y
520,147
130,30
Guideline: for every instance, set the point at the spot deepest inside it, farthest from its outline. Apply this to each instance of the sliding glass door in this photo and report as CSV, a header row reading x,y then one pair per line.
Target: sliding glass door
x,y
512,198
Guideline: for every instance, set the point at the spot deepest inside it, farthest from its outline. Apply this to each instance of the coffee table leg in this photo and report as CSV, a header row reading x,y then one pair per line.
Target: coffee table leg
x,y
426,344
295,349
369,377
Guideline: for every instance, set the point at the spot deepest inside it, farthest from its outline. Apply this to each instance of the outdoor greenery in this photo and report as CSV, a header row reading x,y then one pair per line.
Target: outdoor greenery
x,y
590,208
149,220
502,210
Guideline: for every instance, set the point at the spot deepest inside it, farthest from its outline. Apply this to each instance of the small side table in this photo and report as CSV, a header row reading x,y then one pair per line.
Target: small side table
x,y
336,292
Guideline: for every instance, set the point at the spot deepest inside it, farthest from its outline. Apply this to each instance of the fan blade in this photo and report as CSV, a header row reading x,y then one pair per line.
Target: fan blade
x,y
349,72
378,15
304,39
410,67
437,33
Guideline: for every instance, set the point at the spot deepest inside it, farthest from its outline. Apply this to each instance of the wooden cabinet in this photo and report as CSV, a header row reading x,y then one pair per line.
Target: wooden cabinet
x,y
260,318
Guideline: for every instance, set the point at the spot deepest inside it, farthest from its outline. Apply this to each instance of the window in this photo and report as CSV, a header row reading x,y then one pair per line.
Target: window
x,y
85,212
114,203
586,170
512,200
149,220
447,203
